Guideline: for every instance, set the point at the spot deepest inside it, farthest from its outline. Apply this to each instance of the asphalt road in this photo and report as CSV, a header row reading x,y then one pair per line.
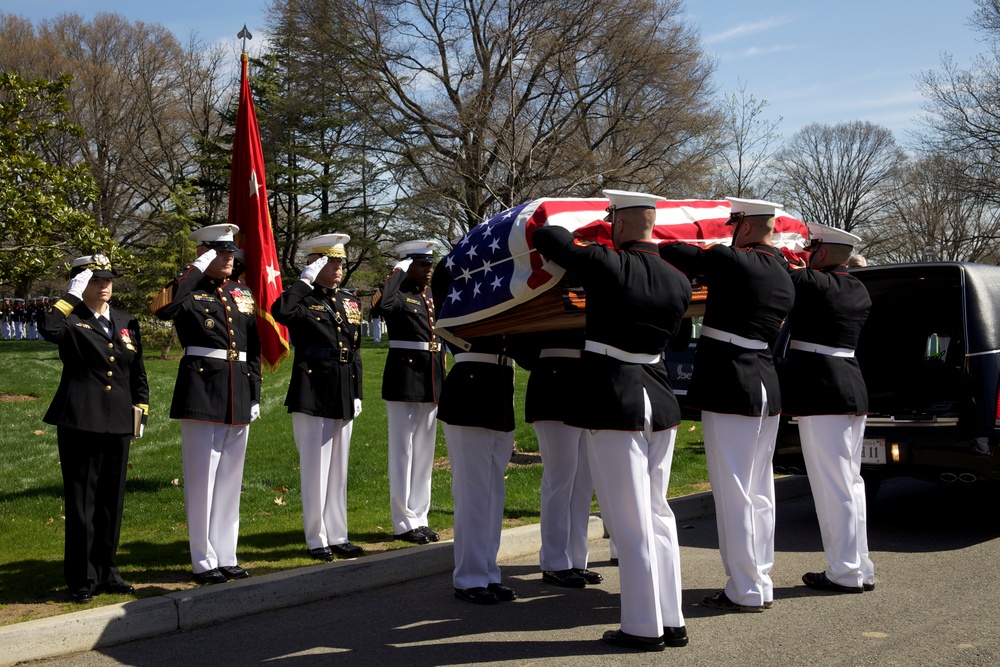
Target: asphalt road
x,y
937,565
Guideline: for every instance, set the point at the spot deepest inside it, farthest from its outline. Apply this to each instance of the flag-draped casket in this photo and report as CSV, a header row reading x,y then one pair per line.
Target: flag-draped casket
x,y
503,285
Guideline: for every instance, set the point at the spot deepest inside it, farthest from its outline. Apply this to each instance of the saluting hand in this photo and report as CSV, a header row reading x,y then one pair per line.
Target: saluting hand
x,y
78,283
310,272
205,259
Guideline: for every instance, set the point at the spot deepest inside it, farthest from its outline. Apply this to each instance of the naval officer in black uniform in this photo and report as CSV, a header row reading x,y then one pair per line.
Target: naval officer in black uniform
x,y
324,394
216,396
735,386
102,386
477,413
411,387
823,387
635,304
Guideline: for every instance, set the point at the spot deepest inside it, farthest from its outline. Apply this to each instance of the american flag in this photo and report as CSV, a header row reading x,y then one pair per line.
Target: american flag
x,y
495,267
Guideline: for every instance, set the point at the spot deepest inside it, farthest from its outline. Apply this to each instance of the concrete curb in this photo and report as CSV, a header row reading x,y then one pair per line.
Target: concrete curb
x,y
185,610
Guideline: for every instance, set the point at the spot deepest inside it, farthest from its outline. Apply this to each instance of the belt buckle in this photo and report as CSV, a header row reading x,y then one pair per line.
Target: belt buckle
x,y
433,346
232,355
343,355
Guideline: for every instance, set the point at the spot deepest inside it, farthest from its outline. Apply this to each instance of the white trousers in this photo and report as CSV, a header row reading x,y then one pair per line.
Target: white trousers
x,y
632,470
479,458
738,450
831,446
412,429
213,456
324,446
567,489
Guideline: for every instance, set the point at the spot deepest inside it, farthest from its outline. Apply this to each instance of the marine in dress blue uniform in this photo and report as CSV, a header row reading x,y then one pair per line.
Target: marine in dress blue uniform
x,y
411,387
635,304
553,358
325,392
735,386
477,413
823,387
103,383
216,396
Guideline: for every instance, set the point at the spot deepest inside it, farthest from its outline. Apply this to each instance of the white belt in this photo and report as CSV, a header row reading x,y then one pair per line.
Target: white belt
x,y
483,358
821,349
564,352
211,353
621,355
414,345
739,341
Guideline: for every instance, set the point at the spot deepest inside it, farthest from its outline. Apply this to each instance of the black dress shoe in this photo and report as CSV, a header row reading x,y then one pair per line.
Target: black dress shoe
x,y
321,553
619,638
233,572
503,593
564,578
416,536
431,535
120,588
675,636
478,595
346,550
818,581
81,596
209,577
719,600
588,576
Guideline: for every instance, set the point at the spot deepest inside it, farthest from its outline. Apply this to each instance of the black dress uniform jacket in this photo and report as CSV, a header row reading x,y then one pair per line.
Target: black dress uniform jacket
x,y
216,314
553,382
635,302
831,307
749,295
476,393
408,310
102,378
325,327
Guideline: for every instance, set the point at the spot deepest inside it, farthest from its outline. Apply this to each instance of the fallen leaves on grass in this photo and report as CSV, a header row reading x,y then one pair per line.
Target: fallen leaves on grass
x,y
280,501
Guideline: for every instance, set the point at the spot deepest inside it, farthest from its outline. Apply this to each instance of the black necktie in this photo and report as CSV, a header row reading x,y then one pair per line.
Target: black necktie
x,y
105,324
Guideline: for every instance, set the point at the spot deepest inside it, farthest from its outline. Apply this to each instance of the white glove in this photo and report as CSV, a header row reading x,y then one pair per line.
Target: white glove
x,y
403,264
310,272
206,258
357,407
78,283
254,411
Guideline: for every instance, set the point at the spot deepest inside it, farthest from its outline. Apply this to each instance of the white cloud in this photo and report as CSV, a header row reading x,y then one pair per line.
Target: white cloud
x,y
744,30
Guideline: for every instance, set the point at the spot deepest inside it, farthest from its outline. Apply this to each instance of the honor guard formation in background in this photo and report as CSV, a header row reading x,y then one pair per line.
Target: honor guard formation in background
x,y
599,398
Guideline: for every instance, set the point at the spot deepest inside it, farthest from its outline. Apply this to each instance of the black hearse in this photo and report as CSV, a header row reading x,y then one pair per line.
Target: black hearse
x,y
930,354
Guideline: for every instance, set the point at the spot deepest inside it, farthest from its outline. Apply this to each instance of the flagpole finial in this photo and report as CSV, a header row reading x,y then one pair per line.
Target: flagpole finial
x,y
244,35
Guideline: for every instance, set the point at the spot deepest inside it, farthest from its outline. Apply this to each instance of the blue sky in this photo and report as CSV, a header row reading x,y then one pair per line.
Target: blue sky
x,y
823,61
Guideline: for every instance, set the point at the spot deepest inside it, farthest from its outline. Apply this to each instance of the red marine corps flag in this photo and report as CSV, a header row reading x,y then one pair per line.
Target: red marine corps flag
x,y
248,209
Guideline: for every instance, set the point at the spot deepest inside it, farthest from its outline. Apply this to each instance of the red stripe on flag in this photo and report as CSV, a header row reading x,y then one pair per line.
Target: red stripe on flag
x,y
248,210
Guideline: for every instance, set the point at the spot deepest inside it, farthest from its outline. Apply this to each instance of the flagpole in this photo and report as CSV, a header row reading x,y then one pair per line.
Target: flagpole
x,y
248,208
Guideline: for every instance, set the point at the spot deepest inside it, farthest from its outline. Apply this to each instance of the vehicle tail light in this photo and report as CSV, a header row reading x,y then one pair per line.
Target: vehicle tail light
x,y
996,417
894,452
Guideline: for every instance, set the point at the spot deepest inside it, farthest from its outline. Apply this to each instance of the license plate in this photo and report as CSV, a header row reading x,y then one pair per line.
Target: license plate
x,y
873,450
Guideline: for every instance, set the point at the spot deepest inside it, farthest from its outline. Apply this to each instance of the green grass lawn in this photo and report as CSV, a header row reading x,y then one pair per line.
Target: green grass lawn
x,y
154,550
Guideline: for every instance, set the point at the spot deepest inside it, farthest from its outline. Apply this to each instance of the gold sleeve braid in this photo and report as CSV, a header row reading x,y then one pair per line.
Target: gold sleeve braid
x,y
63,306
